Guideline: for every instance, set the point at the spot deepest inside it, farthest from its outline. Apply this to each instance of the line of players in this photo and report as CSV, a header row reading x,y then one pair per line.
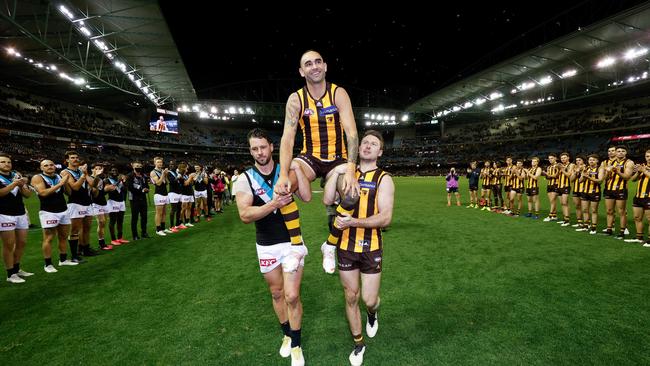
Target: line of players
x,y
91,193
584,180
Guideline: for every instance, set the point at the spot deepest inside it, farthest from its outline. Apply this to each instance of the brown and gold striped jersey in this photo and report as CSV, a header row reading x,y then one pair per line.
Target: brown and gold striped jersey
x,y
322,131
358,239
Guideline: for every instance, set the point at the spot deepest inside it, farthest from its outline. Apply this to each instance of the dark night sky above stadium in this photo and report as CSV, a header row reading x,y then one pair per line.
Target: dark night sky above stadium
x,y
400,52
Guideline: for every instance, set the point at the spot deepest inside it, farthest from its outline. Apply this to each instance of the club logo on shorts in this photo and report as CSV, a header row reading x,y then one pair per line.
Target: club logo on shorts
x,y
378,259
363,243
308,112
7,224
267,262
51,222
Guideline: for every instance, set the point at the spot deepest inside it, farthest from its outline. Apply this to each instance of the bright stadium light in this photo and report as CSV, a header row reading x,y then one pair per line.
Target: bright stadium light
x,y
498,108
495,95
213,110
66,12
366,115
545,80
232,110
456,108
479,101
368,123
203,114
569,73
392,118
79,81
467,105
633,53
606,62
526,86
514,91
405,117
85,31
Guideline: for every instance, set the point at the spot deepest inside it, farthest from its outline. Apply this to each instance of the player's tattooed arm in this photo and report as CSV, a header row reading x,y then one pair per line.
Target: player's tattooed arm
x,y
292,116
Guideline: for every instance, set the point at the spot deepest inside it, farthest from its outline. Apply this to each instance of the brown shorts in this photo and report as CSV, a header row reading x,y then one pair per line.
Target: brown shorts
x,y
641,202
320,167
591,197
532,191
619,195
366,262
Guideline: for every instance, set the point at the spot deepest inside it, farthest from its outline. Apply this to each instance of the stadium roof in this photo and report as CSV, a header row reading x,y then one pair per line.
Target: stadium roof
x,y
579,50
132,32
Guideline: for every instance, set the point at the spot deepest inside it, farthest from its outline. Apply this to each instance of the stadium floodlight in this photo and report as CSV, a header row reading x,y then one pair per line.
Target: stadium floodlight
x,y
439,114
392,118
203,114
606,62
195,108
446,112
85,31
479,101
631,79
368,123
110,55
498,108
569,73
372,117
53,67
633,53
11,51
39,65
405,117
645,75
456,108
145,89
545,80
131,77
232,110
138,83
495,95
66,12
467,105
213,110
240,110
514,91
526,86
366,115
31,61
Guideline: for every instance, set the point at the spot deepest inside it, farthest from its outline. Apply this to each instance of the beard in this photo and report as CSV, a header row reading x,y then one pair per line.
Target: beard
x,y
263,161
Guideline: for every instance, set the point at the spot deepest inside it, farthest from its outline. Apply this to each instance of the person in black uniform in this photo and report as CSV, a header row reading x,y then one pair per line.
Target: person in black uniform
x,y
116,205
100,205
257,203
138,187
79,205
53,215
174,195
13,219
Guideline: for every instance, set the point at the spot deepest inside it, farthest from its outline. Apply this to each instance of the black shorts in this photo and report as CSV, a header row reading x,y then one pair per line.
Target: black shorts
x,y
473,188
496,187
487,187
517,190
452,190
551,189
532,191
578,194
562,191
641,202
507,188
619,194
591,197
321,168
366,262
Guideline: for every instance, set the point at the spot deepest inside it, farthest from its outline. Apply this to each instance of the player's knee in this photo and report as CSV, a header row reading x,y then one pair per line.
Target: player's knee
x,y
370,301
292,298
351,296
610,211
277,294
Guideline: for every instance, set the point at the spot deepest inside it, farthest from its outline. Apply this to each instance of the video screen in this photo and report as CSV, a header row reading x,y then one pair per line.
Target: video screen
x,y
164,121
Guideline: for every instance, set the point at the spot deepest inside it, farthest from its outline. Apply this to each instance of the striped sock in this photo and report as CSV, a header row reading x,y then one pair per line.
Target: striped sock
x,y
292,222
335,233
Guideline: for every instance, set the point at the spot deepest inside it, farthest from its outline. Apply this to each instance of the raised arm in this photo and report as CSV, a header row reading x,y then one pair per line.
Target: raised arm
x,y
292,111
344,106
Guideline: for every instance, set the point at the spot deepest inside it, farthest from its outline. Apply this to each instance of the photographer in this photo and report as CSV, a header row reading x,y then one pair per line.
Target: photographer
x,y
452,186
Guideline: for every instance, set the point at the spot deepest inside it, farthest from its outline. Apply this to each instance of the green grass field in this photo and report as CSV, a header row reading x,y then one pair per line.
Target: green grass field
x,y
460,287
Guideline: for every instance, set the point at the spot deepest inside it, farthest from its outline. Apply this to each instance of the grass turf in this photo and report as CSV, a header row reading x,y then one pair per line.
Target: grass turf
x,y
459,286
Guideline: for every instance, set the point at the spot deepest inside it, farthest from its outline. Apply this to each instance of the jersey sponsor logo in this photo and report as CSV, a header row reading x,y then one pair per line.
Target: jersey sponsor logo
x,y
267,262
7,224
363,243
368,185
51,222
329,110
308,112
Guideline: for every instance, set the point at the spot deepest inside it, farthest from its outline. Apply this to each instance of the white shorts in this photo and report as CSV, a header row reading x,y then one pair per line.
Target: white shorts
x,y
186,199
10,223
199,194
53,219
97,209
271,256
174,197
78,211
115,206
160,200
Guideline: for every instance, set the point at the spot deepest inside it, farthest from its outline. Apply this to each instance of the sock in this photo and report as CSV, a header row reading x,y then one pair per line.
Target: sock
x,y
286,329
102,243
358,340
292,222
74,247
16,267
335,233
295,338
157,228
371,318
638,236
63,257
10,272
48,262
162,226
